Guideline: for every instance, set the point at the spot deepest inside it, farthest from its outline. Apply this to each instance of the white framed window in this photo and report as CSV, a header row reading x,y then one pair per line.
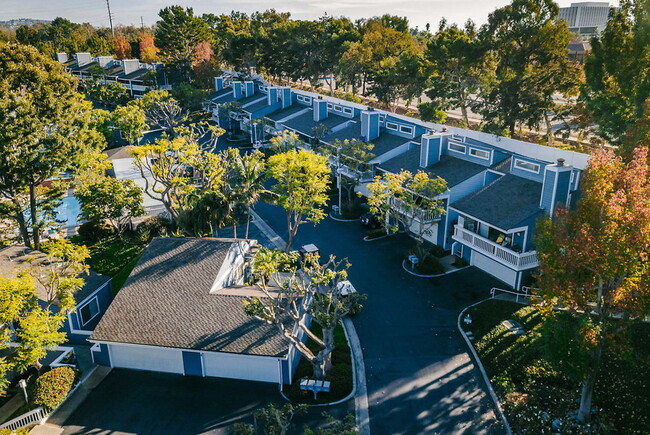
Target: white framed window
x,y
527,166
337,108
382,117
391,126
456,147
481,154
329,105
347,110
406,129
88,311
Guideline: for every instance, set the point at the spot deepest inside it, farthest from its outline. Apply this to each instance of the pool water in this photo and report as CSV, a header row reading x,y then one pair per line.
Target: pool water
x,y
68,212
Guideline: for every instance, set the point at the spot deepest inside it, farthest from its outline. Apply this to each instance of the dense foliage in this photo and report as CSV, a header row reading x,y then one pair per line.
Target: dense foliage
x,y
53,387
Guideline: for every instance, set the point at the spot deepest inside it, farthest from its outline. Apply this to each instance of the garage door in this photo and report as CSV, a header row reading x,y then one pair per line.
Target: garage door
x,y
494,268
247,367
157,359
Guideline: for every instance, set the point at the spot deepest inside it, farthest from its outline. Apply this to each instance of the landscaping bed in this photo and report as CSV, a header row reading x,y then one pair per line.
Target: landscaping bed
x,y
535,396
340,376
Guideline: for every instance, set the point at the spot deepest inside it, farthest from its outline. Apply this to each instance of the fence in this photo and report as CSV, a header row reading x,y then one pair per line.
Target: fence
x,y
35,416
523,297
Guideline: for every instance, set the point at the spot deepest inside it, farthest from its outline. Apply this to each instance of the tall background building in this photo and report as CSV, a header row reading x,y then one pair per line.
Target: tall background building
x,y
586,18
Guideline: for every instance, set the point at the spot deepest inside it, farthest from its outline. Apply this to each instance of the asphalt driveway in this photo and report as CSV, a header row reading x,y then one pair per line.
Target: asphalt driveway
x,y
141,402
420,377
130,401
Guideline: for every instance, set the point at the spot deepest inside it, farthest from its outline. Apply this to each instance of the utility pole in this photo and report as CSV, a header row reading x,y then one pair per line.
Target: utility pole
x,y
141,23
110,17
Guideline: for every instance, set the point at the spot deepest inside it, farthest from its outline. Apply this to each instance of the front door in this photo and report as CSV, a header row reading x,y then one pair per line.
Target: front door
x,y
192,363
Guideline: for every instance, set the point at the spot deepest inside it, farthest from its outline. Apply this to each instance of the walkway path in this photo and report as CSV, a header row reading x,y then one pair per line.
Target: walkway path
x,y
420,378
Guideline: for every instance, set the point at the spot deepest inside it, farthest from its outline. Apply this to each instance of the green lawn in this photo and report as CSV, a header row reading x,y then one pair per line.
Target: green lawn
x,y
340,375
533,394
114,256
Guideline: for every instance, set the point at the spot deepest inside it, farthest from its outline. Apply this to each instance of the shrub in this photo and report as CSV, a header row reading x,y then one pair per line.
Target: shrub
x,y
92,232
430,266
53,387
437,251
154,226
375,233
459,262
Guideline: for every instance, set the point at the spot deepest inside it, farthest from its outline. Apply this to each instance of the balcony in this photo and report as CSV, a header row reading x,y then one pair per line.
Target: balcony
x,y
421,215
512,259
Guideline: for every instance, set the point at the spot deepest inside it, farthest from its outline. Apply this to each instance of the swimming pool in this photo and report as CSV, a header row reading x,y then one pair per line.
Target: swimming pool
x,y
68,212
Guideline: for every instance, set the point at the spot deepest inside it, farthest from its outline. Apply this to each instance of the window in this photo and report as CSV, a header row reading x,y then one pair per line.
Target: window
x,y
329,105
347,110
527,166
456,147
406,129
391,126
88,311
481,154
337,108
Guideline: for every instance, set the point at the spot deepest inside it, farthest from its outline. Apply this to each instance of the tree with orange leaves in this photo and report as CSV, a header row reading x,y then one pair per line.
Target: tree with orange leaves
x,y
122,47
594,266
148,50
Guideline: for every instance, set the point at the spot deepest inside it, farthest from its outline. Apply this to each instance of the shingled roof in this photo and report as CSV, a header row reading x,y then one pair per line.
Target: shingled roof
x,y
166,301
504,203
454,171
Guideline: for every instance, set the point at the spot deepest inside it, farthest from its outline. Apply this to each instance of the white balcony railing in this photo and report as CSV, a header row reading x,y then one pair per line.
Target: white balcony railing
x,y
516,260
419,214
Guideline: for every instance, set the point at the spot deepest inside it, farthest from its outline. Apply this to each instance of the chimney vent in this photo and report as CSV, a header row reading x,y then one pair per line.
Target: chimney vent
x,y
560,162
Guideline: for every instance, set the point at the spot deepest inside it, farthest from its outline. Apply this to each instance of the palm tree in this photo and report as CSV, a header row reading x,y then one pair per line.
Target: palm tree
x,y
251,172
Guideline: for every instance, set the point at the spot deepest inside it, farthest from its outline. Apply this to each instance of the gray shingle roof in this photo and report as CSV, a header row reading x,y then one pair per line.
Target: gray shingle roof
x,y
305,123
352,131
503,166
257,106
283,113
14,259
386,142
504,203
166,301
454,171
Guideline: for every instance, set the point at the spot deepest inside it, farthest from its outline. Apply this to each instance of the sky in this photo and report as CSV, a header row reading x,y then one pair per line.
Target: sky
x,y
419,12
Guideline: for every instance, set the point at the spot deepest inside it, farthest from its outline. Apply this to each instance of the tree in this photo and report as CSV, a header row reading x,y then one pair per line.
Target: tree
x,y
528,47
311,290
301,182
454,59
616,70
177,170
45,127
109,199
131,121
285,141
409,201
109,94
58,274
122,47
178,32
251,176
148,49
352,157
594,263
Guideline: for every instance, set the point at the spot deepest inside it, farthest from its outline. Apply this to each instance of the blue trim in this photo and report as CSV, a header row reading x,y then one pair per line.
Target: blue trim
x,y
192,364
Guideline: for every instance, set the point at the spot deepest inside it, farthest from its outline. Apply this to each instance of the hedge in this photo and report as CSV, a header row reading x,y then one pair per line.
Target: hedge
x,y
53,387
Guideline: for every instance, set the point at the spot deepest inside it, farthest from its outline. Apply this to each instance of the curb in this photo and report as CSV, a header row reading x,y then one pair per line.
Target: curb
x,y
354,374
406,269
479,364
267,230
366,239
342,220
359,392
